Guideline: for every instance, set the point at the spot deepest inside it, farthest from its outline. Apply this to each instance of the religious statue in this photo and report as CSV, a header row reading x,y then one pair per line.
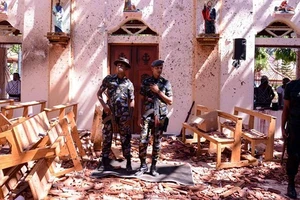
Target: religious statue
x,y
284,7
3,6
209,15
58,13
128,6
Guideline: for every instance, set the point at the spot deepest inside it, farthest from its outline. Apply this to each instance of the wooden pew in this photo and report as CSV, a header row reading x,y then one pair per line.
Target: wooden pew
x,y
37,144
254,136
7,111
7,102
68,111
4,123
221,140
62,110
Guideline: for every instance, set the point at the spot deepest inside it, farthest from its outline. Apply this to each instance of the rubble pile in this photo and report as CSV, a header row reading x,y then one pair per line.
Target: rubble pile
x,y
266,181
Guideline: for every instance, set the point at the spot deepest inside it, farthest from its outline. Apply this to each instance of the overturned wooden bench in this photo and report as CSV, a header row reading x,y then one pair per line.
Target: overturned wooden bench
x,y
37,147
7,110
7,102
255,137
62,109
222,140
68,111
8,117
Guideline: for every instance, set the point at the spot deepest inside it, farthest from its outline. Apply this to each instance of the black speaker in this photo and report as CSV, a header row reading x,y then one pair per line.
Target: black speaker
x,y
239,51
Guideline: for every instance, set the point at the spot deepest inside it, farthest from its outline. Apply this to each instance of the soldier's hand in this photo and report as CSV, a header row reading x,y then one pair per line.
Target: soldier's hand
x,y
139,122
106,109
154,88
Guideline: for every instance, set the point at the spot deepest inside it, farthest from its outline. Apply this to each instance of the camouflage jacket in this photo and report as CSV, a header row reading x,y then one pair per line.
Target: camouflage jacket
x,y
163,85
119,92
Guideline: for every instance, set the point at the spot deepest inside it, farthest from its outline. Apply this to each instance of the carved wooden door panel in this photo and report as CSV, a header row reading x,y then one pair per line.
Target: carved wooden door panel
x,y
140,58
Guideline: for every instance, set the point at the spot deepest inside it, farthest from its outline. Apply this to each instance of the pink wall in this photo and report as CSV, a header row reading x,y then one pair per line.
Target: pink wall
x,y
201,73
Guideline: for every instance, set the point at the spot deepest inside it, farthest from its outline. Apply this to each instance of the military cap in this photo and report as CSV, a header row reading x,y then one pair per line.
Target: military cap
x,y
124,61
157,63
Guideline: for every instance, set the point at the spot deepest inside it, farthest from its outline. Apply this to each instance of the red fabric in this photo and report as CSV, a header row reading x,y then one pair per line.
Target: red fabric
x,y
284,3
205,13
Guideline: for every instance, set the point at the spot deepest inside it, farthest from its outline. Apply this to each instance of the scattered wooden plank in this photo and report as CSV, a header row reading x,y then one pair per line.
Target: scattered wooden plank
x,y
229,192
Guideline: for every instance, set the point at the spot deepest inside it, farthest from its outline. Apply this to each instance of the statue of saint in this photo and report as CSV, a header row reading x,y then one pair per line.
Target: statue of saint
x,y
128,6
3,6
284,7
209,15
58,13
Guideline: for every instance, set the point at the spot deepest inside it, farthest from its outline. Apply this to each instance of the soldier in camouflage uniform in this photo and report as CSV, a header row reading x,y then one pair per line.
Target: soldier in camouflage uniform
x,y
118,110
290,127
156,94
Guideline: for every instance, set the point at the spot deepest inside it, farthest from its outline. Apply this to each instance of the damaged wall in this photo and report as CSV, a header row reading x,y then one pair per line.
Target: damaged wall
x,y
201,73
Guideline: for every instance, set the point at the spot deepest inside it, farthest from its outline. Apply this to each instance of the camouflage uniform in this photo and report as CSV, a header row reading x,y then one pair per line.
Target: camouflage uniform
x,y
292,94
119,91
148,122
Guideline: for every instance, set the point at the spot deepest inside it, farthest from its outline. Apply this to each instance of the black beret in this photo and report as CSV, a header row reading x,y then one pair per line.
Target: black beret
x,y
157,63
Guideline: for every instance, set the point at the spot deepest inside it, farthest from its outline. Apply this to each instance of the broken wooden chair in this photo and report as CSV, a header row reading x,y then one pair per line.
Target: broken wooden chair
x,y
255,137
230,140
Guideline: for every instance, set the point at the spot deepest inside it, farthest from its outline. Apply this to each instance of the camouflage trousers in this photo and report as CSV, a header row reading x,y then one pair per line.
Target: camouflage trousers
x,y
125,136
148,129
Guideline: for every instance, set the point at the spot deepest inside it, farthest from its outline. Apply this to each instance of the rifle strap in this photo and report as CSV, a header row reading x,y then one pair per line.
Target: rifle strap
x,y
106,119
156,120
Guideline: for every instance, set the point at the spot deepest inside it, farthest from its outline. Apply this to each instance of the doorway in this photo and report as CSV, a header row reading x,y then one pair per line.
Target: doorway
x,y
140,58
10,63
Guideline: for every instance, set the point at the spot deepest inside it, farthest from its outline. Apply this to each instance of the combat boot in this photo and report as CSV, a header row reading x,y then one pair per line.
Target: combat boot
x,y
291,191
106,166
128,164
153,170
143,168
100,165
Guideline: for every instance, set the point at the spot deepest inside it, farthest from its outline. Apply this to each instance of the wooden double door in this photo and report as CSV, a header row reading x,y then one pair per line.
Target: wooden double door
x,y
140,58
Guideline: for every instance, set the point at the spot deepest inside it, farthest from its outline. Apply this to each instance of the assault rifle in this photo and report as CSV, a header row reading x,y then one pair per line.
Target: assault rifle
x,y
111,117
187,117
155,112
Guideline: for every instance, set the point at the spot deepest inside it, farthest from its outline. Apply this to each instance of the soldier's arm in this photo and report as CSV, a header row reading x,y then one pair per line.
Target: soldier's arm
x,y
131,100
167,97
100,97
142,109
168,100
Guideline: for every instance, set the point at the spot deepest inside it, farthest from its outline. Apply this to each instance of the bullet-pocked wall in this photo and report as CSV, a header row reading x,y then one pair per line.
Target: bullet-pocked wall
x,y
93,25
201,73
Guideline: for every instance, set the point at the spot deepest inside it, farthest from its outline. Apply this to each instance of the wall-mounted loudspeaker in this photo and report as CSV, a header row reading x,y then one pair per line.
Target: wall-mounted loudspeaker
x,y
239,51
